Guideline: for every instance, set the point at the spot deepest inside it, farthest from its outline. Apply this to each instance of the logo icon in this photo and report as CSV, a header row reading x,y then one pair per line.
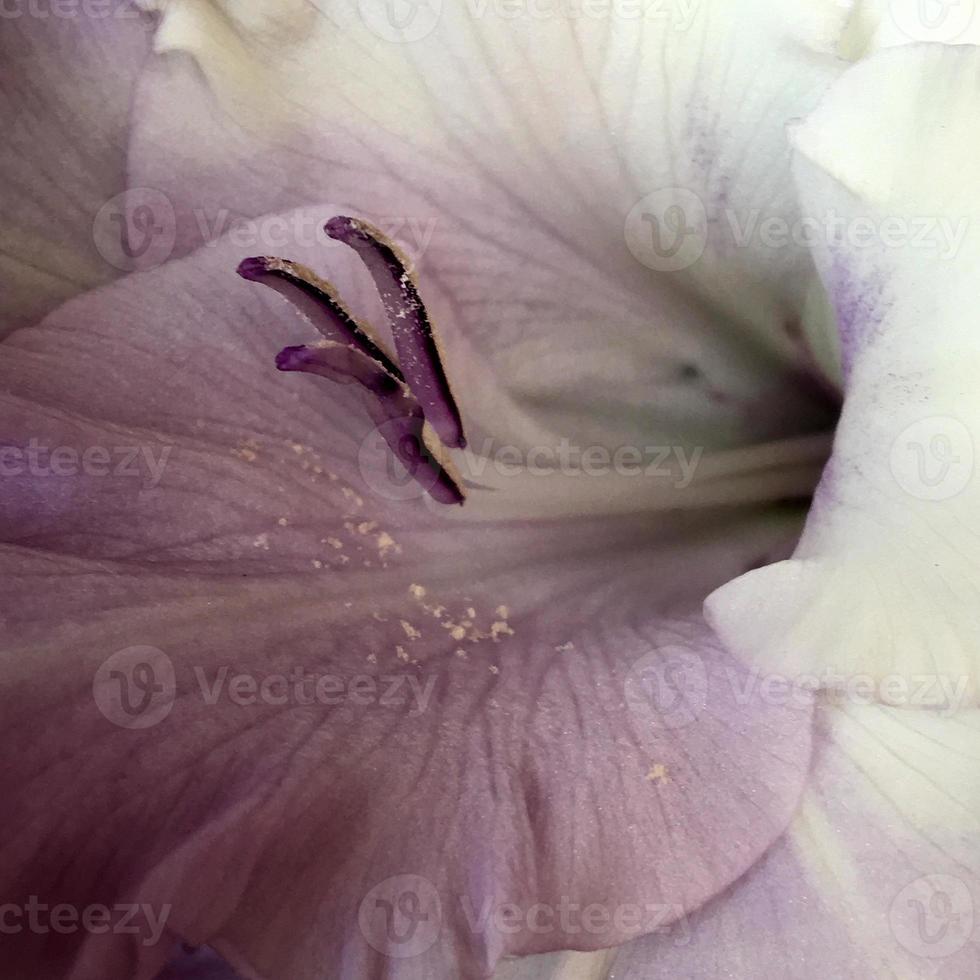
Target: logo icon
x,y
932,916
386,474
667,230
135,688
668,688
400,21
136,229
402,916
941,21
932,459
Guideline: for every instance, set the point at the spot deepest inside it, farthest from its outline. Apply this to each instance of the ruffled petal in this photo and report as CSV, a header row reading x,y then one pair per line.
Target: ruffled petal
x,y
505,712
534,169
67,76
883,588
370,774
877,877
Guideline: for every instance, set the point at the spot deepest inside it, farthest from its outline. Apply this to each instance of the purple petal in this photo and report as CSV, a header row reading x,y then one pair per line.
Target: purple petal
x,y
525,756
67,77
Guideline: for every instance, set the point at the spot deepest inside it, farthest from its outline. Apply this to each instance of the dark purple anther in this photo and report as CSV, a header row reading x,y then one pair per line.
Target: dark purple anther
x,y
418,352
316,300
392,407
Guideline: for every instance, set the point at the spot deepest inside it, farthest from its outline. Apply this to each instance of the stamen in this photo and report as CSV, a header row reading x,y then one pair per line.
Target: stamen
x,y
318,302
418,352
392,407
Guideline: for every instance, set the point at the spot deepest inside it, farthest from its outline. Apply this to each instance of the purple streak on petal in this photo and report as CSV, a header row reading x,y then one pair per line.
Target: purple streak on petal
x,y
393,409
415,342
316,300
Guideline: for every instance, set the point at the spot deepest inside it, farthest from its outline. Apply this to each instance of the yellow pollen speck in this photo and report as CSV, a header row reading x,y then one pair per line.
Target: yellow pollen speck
x,y
261,541
658,773
334,543
317,563
401,654
457,633
565,647
471,612
417,590
386,544
461,654
410,631
502,612
494,669
500,629
366,527
282,522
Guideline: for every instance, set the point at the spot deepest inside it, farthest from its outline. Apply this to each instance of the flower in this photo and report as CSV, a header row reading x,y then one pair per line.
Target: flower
x,y
268,699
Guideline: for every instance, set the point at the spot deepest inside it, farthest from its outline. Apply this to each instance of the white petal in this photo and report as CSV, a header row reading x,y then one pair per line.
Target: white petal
x,y
886,579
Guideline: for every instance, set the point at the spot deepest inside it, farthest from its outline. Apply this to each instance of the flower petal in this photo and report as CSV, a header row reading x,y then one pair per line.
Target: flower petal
x,y
562,725
877,877
884,582
67,74
517,162
313,748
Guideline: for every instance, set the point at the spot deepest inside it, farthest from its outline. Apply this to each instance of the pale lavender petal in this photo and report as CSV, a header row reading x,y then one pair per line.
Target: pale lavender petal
x,y
67,77
530,752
